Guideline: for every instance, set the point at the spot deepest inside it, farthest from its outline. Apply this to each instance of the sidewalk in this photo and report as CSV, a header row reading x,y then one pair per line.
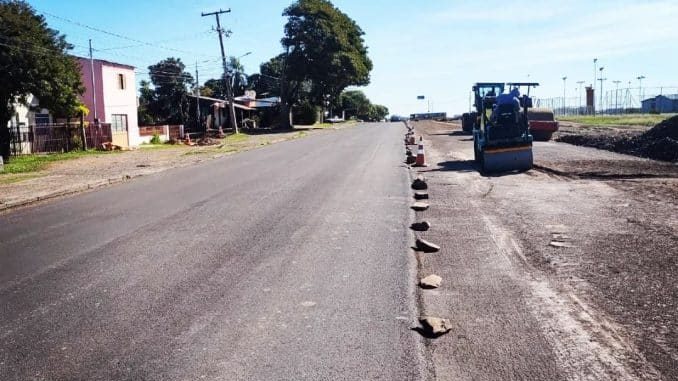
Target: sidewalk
x,y
77,175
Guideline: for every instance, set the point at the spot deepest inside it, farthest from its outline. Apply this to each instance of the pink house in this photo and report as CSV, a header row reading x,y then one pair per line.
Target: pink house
x,y
114,100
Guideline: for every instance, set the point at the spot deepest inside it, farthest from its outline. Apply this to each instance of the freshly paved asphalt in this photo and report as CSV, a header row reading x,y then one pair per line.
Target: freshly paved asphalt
x,y
288,262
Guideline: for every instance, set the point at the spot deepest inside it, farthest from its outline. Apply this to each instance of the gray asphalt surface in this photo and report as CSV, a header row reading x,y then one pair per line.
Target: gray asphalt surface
x,y
288,262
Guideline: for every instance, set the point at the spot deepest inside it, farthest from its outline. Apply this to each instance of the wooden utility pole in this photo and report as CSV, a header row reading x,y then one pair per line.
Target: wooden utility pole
x,y
94,89
227,81
197,98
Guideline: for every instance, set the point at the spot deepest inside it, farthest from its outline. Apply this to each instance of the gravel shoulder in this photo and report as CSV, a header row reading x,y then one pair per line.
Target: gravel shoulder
x,y
603,304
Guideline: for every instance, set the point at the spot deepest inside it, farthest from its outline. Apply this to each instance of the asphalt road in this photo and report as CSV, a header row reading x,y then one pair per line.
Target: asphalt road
x,y
288,262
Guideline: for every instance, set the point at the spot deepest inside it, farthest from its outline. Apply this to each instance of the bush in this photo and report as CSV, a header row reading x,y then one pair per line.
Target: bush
x,y
76,142
305,114
155,139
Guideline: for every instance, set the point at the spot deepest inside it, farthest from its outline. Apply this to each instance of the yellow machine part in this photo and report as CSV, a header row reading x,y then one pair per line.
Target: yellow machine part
x,y
507,159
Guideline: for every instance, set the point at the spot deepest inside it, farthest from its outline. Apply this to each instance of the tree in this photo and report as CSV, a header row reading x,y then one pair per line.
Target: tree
x,y
146,101
216,88
355,104
378,112
237,71
34,60
171,85
325,47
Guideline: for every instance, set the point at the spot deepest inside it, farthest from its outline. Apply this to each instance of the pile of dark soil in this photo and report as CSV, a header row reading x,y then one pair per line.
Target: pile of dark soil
x,y
659,143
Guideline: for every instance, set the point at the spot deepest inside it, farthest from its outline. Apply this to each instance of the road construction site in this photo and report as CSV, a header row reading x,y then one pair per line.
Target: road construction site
x,y
564,271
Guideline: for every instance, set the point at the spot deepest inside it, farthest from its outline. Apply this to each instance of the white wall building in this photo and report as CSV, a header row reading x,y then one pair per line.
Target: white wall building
x,y
116,98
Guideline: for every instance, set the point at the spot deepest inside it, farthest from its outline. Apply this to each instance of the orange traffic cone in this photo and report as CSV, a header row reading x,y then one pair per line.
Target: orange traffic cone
x,y
421,157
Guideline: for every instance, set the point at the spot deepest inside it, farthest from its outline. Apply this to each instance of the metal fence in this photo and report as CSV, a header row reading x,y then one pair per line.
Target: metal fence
x,y
619,100
53,138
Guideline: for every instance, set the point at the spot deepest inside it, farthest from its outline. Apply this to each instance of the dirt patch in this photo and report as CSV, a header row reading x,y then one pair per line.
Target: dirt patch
x,y
620,215
659,143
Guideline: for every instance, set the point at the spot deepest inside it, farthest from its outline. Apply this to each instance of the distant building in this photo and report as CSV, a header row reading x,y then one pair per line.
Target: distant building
x,y
31,114
661,103
116,99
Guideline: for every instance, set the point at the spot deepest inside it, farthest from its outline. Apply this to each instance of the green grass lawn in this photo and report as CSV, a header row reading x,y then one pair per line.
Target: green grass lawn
x,y
236,138
160,146
34,163
618,120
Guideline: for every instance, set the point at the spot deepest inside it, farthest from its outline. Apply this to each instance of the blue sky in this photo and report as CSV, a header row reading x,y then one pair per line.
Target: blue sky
x,y
426,47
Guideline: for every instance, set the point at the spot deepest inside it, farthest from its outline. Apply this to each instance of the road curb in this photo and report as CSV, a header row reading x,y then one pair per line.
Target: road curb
x,y
68,192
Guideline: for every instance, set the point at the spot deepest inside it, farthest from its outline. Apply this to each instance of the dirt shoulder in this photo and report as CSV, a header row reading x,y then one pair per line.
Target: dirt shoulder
x,y
659,142
93,171
606,299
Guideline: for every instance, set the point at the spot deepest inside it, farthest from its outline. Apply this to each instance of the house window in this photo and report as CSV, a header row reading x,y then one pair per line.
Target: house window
x,y
41,119
121,81
119,122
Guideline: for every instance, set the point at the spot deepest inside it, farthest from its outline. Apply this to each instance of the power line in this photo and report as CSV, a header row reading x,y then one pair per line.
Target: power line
x,y
185,37
42,51
114,34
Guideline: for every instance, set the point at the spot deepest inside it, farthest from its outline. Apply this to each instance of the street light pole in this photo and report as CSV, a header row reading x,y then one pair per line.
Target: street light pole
x,y
601,86
235,72
640,91
593,84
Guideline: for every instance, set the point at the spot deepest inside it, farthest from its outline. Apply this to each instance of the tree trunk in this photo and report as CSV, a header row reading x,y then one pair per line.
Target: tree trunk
x,y
285,116
5,117
83,135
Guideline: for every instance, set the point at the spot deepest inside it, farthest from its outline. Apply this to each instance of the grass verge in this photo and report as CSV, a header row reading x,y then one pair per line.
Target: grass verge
x,y
11,178
617,120
34,163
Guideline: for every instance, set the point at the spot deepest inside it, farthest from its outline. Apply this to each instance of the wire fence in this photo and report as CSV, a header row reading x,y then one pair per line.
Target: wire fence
x,y
627,100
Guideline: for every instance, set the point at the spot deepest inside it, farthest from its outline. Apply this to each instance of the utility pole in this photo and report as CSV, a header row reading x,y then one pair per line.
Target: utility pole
x,y
94,88
616,97
579,92
602,105
593,84
197,97
227,82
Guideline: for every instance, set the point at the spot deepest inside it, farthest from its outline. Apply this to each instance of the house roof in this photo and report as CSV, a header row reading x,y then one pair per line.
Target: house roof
x,y
673,97
107,63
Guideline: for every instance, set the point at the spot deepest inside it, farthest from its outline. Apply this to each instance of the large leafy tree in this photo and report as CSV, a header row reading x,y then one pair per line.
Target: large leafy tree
x,y
354,103
325,47
214,88
34,60
378,112
171,85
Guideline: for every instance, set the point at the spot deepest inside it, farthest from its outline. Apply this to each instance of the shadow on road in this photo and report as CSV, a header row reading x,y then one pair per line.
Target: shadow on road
x,y
457,166
267,131
453,133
